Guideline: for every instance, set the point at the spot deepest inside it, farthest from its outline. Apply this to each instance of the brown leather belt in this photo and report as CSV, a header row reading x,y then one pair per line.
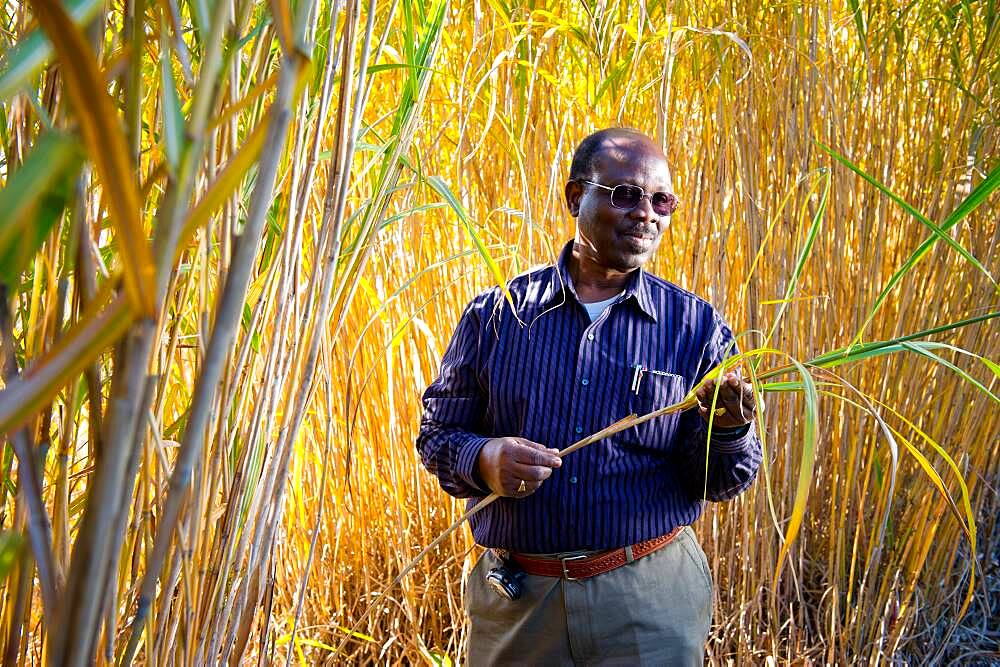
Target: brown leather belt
x,y
581,567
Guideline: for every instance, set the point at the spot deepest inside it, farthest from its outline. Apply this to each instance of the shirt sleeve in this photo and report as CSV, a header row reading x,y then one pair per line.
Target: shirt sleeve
x,y
734,454
450,438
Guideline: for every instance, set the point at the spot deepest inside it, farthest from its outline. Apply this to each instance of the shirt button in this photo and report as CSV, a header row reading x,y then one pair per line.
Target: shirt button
x,y
579,429
572,480
584,382
590,336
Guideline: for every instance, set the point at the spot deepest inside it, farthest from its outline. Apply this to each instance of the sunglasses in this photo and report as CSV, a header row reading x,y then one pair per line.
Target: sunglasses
x,y
627,197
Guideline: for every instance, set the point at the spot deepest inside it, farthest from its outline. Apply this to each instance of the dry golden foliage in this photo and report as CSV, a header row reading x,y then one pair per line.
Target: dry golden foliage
x,y
223,434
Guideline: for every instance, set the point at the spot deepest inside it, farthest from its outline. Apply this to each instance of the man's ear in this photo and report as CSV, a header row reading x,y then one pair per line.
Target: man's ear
x,y
574,192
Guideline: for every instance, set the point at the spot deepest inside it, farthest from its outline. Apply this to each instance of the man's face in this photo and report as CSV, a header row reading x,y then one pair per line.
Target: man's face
x,y
611,237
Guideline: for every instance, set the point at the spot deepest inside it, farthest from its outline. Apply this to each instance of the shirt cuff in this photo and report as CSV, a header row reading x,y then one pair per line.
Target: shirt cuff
x,y
466,466
731,440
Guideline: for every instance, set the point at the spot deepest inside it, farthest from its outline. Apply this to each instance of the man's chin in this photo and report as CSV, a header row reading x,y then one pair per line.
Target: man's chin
x,y
626,262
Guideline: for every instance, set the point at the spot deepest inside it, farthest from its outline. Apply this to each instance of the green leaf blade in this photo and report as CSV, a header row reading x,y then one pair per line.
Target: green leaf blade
x,y
33,198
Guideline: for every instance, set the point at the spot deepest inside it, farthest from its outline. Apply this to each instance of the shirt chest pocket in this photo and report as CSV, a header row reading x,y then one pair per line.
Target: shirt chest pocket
x,y
649,392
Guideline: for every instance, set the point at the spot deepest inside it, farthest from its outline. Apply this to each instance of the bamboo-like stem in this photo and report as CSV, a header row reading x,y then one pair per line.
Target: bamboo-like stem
x,y
28,474
18,597
77,621
91,560
86,274
135,36
226,322
121,525
307,570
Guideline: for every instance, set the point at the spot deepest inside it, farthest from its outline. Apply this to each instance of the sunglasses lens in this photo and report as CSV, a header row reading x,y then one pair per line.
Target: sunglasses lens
x,y
626,196
664,203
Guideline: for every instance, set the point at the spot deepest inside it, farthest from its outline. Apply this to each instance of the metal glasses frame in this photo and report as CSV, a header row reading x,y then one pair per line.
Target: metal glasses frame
x,y
641,197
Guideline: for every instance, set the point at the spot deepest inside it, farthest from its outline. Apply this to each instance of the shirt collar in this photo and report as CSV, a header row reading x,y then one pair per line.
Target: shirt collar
x,y
560,283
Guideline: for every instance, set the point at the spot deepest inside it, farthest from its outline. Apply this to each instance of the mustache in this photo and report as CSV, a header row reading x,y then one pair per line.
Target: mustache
x,y
649,232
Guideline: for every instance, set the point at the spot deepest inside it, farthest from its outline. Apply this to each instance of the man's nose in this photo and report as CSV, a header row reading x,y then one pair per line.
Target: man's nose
x,y
644,209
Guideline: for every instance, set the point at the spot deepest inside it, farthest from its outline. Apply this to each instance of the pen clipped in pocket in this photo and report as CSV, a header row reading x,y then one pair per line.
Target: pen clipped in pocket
x,y
649,390
640,371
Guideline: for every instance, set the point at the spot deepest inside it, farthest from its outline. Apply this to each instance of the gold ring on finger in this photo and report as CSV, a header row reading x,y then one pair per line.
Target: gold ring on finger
x,y
523,487
719,412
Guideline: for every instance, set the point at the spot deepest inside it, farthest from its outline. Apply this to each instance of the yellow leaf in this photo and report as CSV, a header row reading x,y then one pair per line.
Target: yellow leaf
x,y
106,146
223,186
96,329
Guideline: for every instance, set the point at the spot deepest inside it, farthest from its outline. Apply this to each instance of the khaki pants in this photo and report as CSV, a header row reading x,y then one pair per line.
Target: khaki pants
x,y
654,611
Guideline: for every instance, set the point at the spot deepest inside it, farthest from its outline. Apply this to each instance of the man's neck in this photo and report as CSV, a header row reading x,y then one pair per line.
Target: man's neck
x,y
592,281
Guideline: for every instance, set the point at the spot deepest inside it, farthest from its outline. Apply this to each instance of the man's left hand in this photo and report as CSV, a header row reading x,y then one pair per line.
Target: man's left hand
x,y
733,407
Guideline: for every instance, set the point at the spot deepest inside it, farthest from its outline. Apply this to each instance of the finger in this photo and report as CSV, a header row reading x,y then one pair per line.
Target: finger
x,y
719,403
708,404
705,394
726,383
736,415
529,488
535,445
734,406
731,387
535,457
512,486
734,393
539,446
733,402
736,400
530,474
707,410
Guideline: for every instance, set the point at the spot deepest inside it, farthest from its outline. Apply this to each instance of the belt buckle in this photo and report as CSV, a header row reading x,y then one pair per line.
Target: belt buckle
x,y
565,572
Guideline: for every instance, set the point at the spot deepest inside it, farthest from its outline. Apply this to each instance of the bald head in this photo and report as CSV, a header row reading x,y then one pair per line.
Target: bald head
x,y
622,236
613,144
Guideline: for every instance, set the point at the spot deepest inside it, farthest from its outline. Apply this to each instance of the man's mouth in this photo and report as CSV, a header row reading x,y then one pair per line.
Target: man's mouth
x,y
637,242
638,234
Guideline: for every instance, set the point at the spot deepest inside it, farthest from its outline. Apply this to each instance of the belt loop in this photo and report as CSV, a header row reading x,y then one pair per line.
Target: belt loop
x,y
628,554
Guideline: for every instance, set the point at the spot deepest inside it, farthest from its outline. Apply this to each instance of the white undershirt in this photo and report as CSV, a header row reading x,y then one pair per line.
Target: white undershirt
x,y
596,308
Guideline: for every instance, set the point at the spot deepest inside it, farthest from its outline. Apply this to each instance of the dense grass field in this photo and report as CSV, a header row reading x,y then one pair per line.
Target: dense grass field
x,y
235,238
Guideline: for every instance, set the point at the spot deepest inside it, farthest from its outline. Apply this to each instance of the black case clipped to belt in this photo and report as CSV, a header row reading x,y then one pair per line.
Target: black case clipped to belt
x,y
506,580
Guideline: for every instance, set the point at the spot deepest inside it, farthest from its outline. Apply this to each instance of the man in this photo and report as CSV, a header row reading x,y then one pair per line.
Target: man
x,y
596,548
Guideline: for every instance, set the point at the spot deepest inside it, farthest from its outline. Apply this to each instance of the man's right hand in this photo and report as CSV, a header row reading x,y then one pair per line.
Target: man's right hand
x,y
504,462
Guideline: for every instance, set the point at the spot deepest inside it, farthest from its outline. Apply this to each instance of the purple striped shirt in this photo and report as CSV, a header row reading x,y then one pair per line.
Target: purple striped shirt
x,y
554,377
